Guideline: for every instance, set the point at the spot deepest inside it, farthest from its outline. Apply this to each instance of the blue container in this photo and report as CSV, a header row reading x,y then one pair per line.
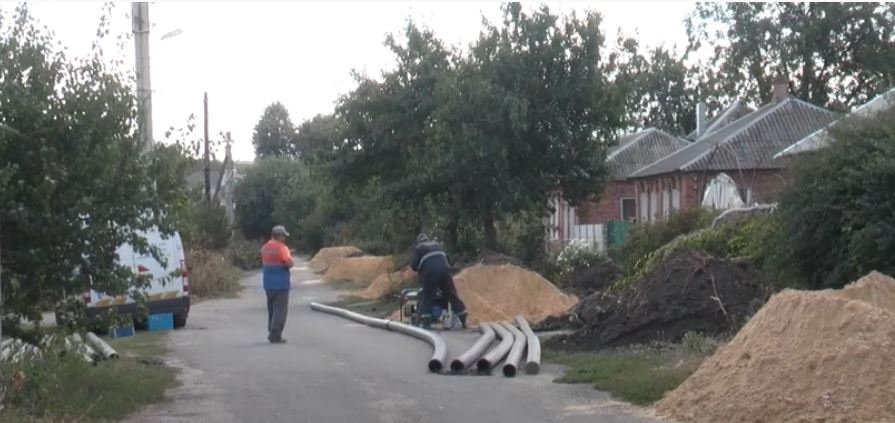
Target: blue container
x,y
121,331
164,321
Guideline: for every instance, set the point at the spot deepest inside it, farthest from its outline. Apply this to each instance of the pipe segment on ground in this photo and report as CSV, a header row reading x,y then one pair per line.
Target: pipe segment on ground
x,y
101,346
439,348
515,355
71,344
475,351
533,360
491,358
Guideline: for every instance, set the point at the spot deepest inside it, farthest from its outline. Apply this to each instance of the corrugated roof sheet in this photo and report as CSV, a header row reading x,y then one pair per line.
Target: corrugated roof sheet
x,y
634,151
725,117
749,142
821,138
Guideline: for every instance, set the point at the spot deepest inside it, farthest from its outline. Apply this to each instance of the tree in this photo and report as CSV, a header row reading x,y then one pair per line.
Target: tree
x,y
529,113
318,137
660,89
835,55
274,134
260,190
76,184
836,215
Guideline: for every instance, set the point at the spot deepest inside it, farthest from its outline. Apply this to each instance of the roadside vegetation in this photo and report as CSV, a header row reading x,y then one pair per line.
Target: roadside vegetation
x,y
63,387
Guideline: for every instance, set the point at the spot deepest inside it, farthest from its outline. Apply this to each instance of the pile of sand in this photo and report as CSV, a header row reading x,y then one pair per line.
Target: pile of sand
x,y
386,282
358,269
804,357
325,258
494,293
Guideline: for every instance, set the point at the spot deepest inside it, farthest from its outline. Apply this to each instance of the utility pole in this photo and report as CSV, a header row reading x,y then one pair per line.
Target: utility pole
x,y
140,18
207,156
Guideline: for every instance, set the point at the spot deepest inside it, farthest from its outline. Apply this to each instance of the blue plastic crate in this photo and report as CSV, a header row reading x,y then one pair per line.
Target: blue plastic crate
x,y
163,321
121,331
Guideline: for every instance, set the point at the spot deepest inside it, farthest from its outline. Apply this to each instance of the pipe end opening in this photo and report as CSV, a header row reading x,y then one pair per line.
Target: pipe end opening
x,y
532,368
509,370
483,365
434,366
457,366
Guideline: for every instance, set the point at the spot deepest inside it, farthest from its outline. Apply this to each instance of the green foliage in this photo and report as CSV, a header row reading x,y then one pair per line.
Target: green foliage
x,y
212,227
263,186
639,376
76,182
834,54
645,238
572,258
62,387
274,134
244,254
836,214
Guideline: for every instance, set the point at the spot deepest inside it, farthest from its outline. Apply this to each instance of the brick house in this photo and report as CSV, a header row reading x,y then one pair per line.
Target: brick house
x,y
744,149
633,152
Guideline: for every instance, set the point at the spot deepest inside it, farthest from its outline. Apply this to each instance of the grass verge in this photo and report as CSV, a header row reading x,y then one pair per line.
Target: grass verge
x,y
65,388
212,275
639,375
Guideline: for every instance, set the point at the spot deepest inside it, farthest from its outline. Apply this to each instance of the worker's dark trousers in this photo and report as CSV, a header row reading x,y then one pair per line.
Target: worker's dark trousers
x,y
277,308
443,281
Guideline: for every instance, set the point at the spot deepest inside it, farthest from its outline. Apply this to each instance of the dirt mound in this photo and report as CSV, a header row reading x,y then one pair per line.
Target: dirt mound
x,y
385,283
494,293
358,269
804,357
594,279
687,292
875,288
325,258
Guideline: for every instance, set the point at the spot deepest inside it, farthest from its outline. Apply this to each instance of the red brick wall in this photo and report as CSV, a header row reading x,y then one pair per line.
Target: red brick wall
x,y
608,207
765,184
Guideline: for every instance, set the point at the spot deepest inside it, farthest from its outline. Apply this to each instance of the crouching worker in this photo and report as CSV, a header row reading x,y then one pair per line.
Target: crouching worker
x,y
431,264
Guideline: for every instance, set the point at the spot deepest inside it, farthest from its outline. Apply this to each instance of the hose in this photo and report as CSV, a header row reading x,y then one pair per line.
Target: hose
x,y
515,355
475,351
533,361
494,356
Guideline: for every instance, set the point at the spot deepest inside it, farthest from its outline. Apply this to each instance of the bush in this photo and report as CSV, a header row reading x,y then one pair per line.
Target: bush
x,y
645,238
211,275
244,254
836,214
572,258
212,227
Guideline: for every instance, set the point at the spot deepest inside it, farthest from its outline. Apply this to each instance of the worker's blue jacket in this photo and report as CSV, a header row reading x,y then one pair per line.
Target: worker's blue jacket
x,y
429,259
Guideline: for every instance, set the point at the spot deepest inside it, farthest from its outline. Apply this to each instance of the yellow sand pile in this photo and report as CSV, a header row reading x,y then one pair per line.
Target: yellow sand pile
x,y
494,293
358,269
385,283
325,258
804,357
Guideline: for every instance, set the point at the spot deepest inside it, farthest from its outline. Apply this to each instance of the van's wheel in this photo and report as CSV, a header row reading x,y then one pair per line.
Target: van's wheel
x,y
179,321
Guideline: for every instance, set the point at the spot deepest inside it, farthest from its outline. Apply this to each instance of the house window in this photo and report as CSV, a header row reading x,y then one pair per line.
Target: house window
x,y
628,209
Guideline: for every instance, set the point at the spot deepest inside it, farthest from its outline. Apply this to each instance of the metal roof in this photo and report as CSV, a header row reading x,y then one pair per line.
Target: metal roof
x,y
821,138
634,151
749,142
734,111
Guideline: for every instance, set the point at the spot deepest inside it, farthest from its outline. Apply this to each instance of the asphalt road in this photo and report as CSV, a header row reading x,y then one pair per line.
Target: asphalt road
x,y
333,370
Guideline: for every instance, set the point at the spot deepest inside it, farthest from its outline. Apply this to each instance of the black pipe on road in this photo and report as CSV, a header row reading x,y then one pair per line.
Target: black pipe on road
x,y
515,355
533,361
475,351
491,358
439,348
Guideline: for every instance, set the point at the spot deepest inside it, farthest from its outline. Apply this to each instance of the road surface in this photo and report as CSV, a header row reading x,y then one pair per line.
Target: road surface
x,y
332,370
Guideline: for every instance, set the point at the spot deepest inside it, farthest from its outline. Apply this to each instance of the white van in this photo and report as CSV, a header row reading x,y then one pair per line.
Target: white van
x,y
169,290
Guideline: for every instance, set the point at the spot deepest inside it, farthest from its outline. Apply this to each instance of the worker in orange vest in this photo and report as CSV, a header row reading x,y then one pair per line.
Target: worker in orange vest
x,y
276,261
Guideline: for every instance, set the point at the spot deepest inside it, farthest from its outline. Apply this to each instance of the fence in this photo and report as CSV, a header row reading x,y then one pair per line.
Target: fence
x,y
563,227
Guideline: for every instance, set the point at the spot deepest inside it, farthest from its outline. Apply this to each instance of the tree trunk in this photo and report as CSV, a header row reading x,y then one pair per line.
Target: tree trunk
x,y
490,233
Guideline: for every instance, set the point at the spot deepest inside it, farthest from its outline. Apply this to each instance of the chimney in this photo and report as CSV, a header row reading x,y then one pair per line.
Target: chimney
x,y
781,89
700,119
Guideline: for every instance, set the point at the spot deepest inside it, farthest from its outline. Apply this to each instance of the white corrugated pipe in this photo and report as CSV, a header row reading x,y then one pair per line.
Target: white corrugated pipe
x,y
104,349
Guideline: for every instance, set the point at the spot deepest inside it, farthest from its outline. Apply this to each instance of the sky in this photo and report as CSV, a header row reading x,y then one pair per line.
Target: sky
x,y
248,55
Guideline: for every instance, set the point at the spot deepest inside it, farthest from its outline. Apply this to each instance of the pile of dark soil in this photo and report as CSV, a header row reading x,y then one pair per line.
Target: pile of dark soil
x,y
594,279
688,292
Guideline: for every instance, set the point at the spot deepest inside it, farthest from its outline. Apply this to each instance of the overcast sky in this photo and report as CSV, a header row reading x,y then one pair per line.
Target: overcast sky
x,y
247,55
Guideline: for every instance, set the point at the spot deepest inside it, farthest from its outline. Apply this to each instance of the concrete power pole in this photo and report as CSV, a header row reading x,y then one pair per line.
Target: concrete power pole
x,y
207,156
140,16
